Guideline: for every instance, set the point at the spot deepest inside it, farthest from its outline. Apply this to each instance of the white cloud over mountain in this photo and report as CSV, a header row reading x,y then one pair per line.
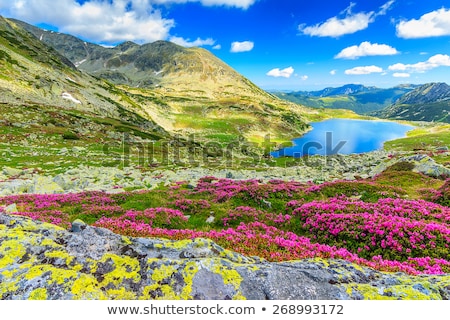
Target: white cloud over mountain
x,y
243,46
285,73
195,43
98,21
364,70
432,24
109,22
366,49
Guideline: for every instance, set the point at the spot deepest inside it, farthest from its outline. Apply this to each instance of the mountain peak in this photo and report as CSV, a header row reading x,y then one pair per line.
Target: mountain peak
x,y
427,93
124,46
428,102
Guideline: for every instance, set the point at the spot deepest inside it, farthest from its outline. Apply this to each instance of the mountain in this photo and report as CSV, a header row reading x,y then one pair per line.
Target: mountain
x,y
33,73
344,90
184,90
355,97
429,102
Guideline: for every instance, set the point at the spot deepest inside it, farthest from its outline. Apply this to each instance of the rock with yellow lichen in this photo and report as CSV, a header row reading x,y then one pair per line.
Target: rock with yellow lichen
x,y
43,261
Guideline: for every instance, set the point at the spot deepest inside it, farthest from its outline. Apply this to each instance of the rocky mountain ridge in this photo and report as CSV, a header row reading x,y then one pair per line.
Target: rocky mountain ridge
x,y
358,98
429,102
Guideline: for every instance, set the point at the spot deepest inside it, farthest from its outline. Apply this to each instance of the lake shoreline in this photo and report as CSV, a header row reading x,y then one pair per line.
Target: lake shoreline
x,y
344,136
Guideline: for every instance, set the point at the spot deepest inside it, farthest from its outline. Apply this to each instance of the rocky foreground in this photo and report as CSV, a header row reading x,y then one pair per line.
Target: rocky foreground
x,y
114,180
43,261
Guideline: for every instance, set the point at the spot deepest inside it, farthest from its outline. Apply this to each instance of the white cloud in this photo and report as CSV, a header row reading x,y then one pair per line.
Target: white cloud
x,y
401,75
432,24
364,70
217,47
99,21
285,73
438,60
196,43
304,78
242,46
351,23
366,49
335,27
243,4
385,7
333,72
105,21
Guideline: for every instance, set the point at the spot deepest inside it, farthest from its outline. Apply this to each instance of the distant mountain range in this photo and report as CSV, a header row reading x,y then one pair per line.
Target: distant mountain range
x,y
355,97
429,102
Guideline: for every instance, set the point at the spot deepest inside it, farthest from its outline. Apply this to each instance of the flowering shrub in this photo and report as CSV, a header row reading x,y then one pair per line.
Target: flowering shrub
x,y
364,222
393,228
225,189
257,238
441,196
51,216
191,206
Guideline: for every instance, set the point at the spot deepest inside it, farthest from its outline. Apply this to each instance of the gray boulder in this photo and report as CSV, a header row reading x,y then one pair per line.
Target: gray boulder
x,y
48,262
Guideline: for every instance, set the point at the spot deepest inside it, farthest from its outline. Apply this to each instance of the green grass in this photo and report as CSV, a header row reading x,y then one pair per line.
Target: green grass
x,y
424,139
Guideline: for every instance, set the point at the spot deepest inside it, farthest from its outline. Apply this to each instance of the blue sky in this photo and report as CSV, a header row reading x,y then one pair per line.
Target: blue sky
x,y
278,44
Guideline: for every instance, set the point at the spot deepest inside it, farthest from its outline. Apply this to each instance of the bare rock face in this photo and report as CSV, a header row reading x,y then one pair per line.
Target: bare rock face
x,y
42,261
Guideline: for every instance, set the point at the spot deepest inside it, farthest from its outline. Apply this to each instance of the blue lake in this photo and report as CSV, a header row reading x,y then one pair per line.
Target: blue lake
x,y
343,136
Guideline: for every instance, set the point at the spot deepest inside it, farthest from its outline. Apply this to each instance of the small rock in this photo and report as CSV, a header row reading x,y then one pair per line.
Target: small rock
x,y
63,151
12,208
266,203
78,225
11,172
78,149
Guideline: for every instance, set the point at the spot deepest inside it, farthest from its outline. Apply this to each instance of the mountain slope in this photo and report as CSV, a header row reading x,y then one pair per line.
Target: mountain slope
x,y
34,73
185,90
430,102
358,98
46,105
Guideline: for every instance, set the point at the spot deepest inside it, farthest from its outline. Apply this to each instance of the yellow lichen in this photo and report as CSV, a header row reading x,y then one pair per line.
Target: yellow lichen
x,y
124,268
163,272
407,292
189,271
49,243
229,276
159,292
34,272
61,255
179,244
38,294
86,287
56,275
8,286
12,251
367,291
126,240
120,294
